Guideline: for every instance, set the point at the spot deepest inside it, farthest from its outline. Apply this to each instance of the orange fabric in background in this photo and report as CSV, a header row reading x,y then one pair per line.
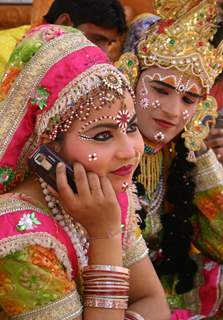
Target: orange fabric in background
x,y
139,6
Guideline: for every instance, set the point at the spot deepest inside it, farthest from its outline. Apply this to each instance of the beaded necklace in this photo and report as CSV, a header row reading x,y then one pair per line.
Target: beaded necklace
x,y
74,230
151,167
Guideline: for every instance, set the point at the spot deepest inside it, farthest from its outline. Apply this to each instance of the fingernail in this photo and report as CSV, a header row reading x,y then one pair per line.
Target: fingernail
x,y
60,165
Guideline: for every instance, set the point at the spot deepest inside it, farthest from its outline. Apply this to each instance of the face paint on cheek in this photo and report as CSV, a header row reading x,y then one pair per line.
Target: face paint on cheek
x,y
159,136
156,104
125,186
92,157
186,115
144,101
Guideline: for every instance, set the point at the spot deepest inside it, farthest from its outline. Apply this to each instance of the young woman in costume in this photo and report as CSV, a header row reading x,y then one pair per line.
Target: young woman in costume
x,y
71,257
173,68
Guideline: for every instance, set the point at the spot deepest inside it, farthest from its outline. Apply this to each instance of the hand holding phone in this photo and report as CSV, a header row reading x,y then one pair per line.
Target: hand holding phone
x,y
44,161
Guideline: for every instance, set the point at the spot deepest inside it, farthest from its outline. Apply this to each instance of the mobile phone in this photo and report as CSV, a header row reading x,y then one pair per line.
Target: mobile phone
x,y
43,162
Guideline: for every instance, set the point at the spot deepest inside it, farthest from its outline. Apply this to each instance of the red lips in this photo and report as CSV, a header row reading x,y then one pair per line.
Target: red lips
x,y
123,171
164,124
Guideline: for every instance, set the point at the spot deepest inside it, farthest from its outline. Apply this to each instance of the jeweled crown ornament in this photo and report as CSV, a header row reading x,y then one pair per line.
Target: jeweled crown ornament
x,y
183,43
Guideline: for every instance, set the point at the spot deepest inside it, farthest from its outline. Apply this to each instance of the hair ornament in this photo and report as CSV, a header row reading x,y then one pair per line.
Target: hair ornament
x,y
128,64
183,43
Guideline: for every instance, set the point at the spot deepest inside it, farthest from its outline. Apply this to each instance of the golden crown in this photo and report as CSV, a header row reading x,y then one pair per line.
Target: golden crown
x,y
184,43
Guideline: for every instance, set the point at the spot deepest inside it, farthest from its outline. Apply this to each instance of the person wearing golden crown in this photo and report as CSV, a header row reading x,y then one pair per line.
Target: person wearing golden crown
x,y
180,181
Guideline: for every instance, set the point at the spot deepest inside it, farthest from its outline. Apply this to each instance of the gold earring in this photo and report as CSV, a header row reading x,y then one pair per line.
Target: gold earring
x,y
128,64
198,128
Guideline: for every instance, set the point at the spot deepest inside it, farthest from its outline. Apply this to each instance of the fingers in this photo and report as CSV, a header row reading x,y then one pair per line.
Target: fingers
x,y
106,187
94,184
64,190
215,132
215,142
81,181
219,153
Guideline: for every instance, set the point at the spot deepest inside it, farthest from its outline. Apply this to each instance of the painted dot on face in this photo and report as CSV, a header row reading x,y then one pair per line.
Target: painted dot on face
x,y
125,186
159,137
92,156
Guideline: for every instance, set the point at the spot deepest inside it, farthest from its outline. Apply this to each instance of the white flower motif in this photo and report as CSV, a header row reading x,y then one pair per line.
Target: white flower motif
x,y
122,119
92,157
209,266
27,222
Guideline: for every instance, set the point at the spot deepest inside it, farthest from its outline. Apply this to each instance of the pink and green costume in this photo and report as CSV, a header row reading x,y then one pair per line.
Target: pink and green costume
x,y
41,261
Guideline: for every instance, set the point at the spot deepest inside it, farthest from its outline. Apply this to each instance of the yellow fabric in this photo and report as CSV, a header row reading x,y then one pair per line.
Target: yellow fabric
x,y
8,40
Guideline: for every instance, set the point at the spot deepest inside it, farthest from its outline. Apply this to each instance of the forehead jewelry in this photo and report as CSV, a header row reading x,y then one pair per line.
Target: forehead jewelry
x,y
92,156
159,137
186,115
125,186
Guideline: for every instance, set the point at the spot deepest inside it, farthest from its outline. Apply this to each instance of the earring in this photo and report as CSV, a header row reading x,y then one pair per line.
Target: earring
x,y
186,115
156,104
159,137
198,128
92,157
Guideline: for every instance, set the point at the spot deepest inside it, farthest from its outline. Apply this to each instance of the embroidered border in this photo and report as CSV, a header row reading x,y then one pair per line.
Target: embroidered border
x,y
208,173
67,308
11,205
14,106
134,248
136,253
14,243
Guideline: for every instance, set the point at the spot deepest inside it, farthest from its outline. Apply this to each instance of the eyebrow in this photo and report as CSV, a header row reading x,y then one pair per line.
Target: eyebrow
x,y
195,95
111,125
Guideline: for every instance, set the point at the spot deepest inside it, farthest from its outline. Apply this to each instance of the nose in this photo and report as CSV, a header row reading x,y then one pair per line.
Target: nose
x,y
173,108
126,148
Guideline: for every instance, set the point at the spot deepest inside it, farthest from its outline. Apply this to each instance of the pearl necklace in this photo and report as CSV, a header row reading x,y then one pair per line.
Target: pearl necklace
x,y
74,230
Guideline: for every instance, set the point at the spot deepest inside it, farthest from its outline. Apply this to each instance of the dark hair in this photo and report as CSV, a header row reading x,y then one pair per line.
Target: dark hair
x,y
177,226
177,229
104,13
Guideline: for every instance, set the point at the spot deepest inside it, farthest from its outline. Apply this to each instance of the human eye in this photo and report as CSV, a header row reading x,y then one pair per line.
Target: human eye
x,y
188,100
102,136
161,90
133,127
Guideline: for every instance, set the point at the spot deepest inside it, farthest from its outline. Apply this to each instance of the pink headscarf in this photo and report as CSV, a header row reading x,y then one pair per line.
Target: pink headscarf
x,y
48,72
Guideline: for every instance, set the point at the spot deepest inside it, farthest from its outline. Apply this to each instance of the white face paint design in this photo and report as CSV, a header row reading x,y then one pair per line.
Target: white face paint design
x,y
159,136
92,156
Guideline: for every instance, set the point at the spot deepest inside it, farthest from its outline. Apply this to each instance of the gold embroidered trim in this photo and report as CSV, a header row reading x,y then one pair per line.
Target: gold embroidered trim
x,y
15,243
208,173
136,253
13,108
134,247
131,219
11,205
67,308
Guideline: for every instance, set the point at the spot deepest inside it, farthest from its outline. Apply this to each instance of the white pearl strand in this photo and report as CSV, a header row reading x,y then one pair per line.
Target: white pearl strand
x,y
74,230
